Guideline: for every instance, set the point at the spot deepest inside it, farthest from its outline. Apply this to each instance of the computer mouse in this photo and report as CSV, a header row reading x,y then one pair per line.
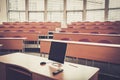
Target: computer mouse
x,y
42,63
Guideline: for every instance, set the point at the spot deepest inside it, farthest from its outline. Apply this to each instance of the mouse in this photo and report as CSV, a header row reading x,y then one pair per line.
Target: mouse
x,y
42,63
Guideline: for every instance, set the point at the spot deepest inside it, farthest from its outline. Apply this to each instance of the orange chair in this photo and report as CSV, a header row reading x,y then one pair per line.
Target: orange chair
x,y
66,39
84,40
104,41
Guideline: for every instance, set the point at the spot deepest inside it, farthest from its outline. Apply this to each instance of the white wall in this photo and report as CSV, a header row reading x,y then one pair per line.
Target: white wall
x,y
3,11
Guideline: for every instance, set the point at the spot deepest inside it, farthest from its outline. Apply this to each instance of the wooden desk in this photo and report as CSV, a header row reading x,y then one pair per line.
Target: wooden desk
x,y
87,50
101,31
113,38
30,36
12,43
32,64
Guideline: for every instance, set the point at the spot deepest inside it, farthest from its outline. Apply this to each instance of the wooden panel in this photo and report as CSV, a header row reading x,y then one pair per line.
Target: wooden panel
x,y
92,52
114,39
45,46
40,77
2,71
88,51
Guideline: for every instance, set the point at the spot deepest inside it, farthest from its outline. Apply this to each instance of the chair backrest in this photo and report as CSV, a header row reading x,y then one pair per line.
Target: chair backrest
x,y
113,33
95,32
19,30
6,30
84,40
75,32
67,39
62,31
31,30
1,36
104,41
17,36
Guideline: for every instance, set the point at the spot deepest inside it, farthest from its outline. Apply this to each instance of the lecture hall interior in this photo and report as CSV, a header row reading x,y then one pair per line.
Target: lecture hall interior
x,y
59,39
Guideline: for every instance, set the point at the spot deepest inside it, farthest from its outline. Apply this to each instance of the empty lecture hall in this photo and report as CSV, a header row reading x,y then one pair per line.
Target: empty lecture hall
x,y
59,39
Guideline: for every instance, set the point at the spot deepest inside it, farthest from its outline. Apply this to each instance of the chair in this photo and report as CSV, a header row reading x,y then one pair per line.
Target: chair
x,y
62,31
17,36
11,26
31,30
21,27
75,32
95,32
84,40
19,30
1,26
104,41
113,33
1,36
6,30
66,39
110,28
96,27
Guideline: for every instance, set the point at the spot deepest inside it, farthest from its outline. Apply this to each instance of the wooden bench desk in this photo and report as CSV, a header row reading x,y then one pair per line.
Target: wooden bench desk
x,y
86,50
113,38
13,43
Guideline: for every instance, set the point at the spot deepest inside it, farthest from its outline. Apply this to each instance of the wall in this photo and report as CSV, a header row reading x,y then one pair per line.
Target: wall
x,y
3,11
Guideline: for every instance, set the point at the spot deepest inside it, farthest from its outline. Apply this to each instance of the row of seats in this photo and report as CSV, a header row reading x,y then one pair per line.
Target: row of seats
x,y
98,38
95,25
94,31
51,26
33,23
30,36
98,23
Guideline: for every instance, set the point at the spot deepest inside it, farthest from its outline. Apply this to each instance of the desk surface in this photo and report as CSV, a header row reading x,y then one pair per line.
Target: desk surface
x,y
84,43
32,63
23,38
88,34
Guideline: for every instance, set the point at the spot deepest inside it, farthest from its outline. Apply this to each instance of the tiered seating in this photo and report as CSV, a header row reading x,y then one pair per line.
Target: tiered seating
x,y
29,28
94,27
87,37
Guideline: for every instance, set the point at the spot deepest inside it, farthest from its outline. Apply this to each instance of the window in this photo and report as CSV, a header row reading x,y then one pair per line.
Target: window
x,y
16,10
55,5
95,10
55,16
95,15
36,16
114,10
95,4
74,5
16,4
16,16
74,16
74,10
55,10
36,5
36,10
114,3
114,15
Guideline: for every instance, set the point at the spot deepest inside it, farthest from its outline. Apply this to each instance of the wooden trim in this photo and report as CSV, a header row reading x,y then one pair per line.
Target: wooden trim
x,y
84,10
106,10
45,12
27,10
65,13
